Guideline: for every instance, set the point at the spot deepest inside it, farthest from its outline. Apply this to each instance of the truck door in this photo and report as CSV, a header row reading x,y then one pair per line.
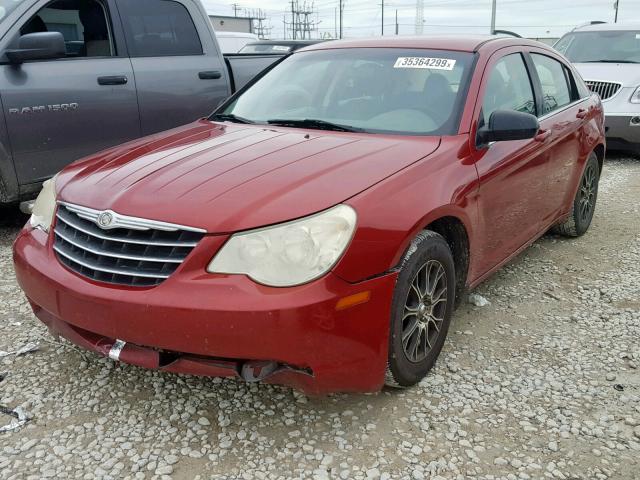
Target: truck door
x,y
62,109
180,74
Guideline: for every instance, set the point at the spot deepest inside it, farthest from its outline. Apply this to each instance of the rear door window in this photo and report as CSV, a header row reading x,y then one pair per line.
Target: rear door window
x,y
556,90
158,28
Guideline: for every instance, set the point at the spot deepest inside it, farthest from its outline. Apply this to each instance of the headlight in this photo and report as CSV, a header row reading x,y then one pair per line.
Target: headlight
x,y
291,253
44,206
635,98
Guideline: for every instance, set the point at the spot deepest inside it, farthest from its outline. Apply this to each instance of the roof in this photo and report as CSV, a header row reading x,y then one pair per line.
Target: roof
x,y
461,43
225,34
607,27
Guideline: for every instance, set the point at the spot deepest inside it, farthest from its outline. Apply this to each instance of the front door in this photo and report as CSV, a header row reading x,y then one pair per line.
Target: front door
x,y
512,173
60,110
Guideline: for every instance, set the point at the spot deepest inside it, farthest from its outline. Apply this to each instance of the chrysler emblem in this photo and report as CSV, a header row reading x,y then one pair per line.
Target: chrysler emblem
x,y
105,219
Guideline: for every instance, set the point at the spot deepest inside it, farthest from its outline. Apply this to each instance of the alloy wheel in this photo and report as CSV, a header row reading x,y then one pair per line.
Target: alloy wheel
x,y
588,190
424,311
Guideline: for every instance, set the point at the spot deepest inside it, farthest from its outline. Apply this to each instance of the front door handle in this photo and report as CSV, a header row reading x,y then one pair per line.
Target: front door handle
x,y
582,113
542,135
113,80
210,75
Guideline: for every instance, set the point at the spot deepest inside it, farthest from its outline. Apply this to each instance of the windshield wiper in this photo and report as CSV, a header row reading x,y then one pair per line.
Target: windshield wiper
x,y
610,61
313,123
230,117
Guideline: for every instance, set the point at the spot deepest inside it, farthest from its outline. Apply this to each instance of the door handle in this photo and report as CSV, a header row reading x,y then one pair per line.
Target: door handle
x,y
542,135
210,75
582,113
113,80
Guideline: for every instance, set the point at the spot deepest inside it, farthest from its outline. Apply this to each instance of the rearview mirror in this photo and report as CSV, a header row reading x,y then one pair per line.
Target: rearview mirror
x,y
38,46
505,125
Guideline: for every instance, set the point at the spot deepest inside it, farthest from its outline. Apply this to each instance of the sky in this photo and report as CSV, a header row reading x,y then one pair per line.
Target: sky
x,y
530,18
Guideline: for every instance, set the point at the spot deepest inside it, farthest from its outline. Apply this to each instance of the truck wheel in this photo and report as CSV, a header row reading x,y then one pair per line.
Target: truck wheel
x,y
423,303
584,204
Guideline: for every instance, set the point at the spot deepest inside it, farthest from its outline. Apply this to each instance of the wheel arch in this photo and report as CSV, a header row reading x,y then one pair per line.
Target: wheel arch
x,y
600,152
453,225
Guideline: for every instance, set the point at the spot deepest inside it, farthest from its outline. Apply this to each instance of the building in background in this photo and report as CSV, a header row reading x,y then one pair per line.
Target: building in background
x,y
222,23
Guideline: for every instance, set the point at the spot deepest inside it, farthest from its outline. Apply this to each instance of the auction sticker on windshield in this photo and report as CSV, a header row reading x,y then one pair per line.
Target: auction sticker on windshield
x,y
425,62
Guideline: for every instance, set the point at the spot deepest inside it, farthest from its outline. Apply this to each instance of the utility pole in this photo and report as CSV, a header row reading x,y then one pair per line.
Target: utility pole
x,y
419,17
341,15
493,17
335,22
397,29
616,5
382,21
236,9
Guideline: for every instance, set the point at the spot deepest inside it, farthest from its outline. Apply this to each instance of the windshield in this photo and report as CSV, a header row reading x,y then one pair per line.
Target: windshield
x,y
7,6
264,48
417,92
601,46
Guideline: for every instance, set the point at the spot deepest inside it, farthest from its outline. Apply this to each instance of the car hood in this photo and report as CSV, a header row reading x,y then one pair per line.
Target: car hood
x,y
226,178
626,73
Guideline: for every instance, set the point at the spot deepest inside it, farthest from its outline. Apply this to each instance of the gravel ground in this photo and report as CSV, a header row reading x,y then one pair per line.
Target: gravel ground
x,y
541,383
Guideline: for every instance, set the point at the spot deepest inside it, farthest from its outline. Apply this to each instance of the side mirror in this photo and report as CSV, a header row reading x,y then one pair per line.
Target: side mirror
x,y
505,125
38,46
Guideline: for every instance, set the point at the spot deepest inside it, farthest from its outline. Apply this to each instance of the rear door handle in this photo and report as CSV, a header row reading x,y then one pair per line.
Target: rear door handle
x,y
210,75
582,113
542,135
113,80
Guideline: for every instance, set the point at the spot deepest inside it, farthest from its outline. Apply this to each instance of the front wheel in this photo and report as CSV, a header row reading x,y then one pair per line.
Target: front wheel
x,y
421,312
584,203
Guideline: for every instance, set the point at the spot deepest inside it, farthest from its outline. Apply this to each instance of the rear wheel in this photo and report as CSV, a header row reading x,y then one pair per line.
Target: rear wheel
x,y
584,203
422,307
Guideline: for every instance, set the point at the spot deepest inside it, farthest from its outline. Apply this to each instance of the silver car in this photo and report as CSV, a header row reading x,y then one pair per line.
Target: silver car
x,y
608,58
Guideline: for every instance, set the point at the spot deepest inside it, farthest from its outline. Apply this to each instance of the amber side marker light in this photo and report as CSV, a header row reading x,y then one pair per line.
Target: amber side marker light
x,y
353,300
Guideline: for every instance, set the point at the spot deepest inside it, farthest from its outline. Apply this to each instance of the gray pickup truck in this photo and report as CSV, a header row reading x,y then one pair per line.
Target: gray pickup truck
x,y
77,76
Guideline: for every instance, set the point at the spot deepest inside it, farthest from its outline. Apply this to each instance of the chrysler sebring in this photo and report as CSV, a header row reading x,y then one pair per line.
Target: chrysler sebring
x,y
320,227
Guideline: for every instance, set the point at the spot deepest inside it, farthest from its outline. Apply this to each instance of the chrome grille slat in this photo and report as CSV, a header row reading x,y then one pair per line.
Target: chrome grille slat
x,y
115,271
606,90
141,258
88,231
127,253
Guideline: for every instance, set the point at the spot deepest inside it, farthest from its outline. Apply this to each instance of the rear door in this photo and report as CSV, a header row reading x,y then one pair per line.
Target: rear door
x,y
513,174
561,119
180,75
60,110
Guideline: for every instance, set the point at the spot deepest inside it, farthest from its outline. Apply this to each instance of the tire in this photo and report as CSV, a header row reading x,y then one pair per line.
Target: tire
x,y
584,203
420,313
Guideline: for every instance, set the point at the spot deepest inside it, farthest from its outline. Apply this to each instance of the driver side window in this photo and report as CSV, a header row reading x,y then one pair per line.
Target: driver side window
x,y
84,24
508,88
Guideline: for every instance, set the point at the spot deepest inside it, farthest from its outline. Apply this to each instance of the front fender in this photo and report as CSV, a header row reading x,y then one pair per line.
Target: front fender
x,y
392,212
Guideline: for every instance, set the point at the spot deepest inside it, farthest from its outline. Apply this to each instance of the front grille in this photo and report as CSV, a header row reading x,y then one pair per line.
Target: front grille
x,y
604,89
142,254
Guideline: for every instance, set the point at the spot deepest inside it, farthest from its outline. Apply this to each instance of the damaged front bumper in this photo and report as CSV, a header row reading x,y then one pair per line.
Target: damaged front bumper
x,y
217,325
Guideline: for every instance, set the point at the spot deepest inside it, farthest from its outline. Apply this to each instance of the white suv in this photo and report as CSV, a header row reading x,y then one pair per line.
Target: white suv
x,y
608,58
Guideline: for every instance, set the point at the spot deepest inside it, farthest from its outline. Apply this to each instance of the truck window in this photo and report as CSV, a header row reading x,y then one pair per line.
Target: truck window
x,y
157,28
85,26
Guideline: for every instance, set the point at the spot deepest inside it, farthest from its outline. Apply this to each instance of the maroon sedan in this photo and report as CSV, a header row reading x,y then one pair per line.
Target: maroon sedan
x,y
320,228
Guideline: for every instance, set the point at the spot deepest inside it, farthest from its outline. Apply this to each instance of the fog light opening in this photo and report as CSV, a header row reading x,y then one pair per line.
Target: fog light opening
x,y
635,121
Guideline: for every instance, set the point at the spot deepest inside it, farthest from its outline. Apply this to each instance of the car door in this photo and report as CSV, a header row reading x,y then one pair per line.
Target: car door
x,y
62,109
561,118
512,173
180,74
